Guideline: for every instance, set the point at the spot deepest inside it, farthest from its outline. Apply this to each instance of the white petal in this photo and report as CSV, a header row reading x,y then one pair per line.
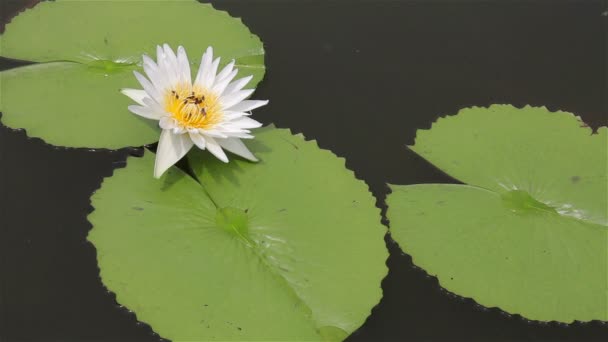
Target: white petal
x,y
218,87
150,62
214,133
156,76
247,105
225,72
201,67
237,147
228,77
228,101
230,132
170,56
146,112
160,54
166,64
136,95
153,105
204,68
241,135
228,128
215,148
167,122
198,139
237,85
210,77
184,65
246,122
148,87
230,115
171,148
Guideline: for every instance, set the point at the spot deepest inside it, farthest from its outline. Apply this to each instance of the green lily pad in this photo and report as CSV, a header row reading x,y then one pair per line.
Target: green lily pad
x,y
290,248
99,123
529,233
90,49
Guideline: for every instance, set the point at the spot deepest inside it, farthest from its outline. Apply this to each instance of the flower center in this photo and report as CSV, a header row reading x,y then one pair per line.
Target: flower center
x,y
192,107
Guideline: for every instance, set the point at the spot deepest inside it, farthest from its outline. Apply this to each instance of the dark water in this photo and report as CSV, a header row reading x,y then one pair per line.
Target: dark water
x,y
358,76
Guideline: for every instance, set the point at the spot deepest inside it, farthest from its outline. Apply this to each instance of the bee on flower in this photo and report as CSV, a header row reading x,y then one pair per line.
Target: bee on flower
x,y
212,112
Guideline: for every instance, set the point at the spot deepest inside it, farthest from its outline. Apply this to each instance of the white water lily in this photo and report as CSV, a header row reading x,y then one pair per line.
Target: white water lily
x,y
211,112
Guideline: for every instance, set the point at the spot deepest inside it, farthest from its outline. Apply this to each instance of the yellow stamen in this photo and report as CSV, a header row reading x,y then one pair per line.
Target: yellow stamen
x,y
193,107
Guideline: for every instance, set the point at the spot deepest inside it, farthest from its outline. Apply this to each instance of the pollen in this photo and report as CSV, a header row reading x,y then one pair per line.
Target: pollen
x,y
192,107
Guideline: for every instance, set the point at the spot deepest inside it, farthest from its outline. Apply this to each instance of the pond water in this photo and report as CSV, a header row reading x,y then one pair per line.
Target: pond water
x,y
360,78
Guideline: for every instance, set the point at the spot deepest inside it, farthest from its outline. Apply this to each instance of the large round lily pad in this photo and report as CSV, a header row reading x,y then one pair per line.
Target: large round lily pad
x,y
286,249
91,49
529,233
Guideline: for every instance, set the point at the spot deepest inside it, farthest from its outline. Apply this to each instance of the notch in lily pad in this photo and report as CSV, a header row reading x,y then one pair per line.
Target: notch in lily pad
x,y
234,221
520,201
109,67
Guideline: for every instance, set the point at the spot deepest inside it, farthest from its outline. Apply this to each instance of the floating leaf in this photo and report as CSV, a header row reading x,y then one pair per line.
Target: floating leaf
x,y
93,121
93,48
529,233
294,250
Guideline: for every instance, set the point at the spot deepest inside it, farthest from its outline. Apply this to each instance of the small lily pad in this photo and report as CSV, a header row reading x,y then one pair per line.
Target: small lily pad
x,y
89,50
529,233
289,248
